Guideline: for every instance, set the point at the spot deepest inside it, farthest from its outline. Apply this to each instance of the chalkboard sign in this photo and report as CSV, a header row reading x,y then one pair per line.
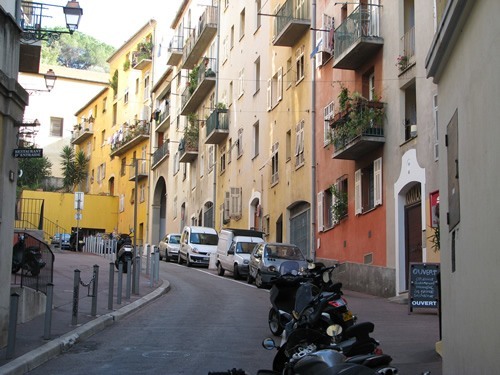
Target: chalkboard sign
x,y
424,286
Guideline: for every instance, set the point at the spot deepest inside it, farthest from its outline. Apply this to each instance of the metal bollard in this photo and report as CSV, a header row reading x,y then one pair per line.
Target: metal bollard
x,y
148,256
120,283
48,311
11,340
94,290
137,272
76,292
111,285
129,279
157,265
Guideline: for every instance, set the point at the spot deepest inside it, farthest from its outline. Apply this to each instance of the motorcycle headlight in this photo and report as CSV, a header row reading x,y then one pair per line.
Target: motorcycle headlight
x,y
334,330
272,269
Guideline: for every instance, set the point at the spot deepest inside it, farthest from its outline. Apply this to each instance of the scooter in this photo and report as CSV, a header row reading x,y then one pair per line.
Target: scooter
x,y
285,287
125,252
27,258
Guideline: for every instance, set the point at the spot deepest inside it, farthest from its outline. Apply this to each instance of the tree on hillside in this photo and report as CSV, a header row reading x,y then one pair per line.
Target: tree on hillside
x,y
74,168
35,170
78,51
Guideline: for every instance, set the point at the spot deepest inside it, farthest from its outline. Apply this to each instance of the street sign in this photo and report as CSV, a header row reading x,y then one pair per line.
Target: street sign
x,y
79,200
28,152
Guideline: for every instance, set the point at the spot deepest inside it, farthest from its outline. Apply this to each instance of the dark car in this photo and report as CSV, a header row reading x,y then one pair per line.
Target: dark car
x,y
266,259
65,244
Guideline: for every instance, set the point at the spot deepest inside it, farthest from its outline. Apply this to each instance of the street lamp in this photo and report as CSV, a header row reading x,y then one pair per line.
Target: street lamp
x,y
50,80
32,14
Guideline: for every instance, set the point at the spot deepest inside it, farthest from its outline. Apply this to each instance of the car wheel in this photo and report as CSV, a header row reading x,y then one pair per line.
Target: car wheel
x,y
250,278
236,273
258,280
274,322
220,270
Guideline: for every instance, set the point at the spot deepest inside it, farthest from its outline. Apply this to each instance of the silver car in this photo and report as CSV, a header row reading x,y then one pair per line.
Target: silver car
x,y
169,246
266,259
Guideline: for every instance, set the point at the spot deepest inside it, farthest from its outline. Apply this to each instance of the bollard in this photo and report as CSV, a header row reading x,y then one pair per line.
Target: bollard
x,y
48,311
120,283
94,290
111,285
157,265
137,272
148,255
129,279
76,292
151,274
11,340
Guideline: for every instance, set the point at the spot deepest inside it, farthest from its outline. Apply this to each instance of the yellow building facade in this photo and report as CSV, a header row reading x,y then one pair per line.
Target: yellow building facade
x,y
113,130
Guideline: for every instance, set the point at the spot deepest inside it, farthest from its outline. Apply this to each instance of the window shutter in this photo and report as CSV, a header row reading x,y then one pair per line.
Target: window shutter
x,y
321,226
269,94
335,220
227,200
377,176
279,94
234,203
358,209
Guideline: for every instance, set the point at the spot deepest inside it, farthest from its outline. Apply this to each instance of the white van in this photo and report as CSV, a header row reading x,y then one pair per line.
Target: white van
x,y
233,251
197,243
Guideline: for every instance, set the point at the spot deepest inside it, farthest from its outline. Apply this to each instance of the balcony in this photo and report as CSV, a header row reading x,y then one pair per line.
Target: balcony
x,y
201,83
357,39
217,126
200,38
142,170
160,154
358,130
291,23
143,56
188,150
162,120
129,137
174,56
81,133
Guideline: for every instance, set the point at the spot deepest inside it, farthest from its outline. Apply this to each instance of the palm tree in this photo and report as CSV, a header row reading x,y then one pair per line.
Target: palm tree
x,y
74,168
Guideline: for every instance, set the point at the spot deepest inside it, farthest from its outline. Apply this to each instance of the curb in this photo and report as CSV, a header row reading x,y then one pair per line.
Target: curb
x,y
39,356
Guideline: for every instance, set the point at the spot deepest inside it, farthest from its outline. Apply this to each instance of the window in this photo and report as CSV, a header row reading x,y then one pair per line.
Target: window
x,y
174,209
328,112
436,127
240,143
123,167
226,3
56,126
137,85
258,20
211,158
202,165
289,72
230,92
122,203
114,114
225,49
299,64
235,203
146,87
256,139
230,148
92,174
103,138
368,187
275,89
242,23
339,199
101,172
104,104
142,193
222,159
241,88
231,38
288,145
125,97
274,164
299,144
257,74
410,121
176,162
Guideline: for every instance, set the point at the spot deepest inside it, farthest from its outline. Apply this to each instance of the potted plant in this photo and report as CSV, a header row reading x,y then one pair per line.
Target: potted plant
x,y
402,62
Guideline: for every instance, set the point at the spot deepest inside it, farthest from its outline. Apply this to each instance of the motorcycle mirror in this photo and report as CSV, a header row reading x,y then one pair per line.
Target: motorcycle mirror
x,y
311,265
334,330
326,277
268,343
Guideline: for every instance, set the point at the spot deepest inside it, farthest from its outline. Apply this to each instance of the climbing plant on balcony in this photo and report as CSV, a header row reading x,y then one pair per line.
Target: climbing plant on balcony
x,y
192,132
339,204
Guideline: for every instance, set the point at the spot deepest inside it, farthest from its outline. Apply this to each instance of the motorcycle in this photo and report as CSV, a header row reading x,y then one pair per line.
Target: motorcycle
x,y
285,287
125,252
26,258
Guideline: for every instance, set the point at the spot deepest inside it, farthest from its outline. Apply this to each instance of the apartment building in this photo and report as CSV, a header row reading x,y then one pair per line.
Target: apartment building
x,y
183,183
113,130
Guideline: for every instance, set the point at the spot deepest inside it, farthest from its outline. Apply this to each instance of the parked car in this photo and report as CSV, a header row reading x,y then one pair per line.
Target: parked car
x,y
197,244
266,259
65,243
61,240
233,250
169,246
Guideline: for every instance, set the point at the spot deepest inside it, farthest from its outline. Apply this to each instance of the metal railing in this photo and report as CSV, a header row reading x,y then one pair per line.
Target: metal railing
x,y
162,151
218,119
362,22
24,277
291,10
408,43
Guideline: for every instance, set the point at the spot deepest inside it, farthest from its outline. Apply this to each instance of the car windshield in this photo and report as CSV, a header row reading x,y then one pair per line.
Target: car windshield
x,y
245,247
174,239
204,239
65,237
284,252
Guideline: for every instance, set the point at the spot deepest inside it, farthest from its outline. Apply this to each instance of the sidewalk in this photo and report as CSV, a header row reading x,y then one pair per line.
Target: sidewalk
x,y
31,349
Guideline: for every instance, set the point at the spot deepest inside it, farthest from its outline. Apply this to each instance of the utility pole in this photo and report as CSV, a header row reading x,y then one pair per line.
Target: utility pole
x,y
78,216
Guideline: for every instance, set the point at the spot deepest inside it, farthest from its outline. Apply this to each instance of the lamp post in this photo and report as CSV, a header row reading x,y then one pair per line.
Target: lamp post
x,y
50,81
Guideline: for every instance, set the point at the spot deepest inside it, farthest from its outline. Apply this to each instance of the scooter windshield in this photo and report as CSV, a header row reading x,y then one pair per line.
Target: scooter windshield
x,y
303,297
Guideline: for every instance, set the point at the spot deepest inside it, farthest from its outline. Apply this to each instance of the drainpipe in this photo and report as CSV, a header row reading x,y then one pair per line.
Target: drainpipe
x,y
216,101
313,138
